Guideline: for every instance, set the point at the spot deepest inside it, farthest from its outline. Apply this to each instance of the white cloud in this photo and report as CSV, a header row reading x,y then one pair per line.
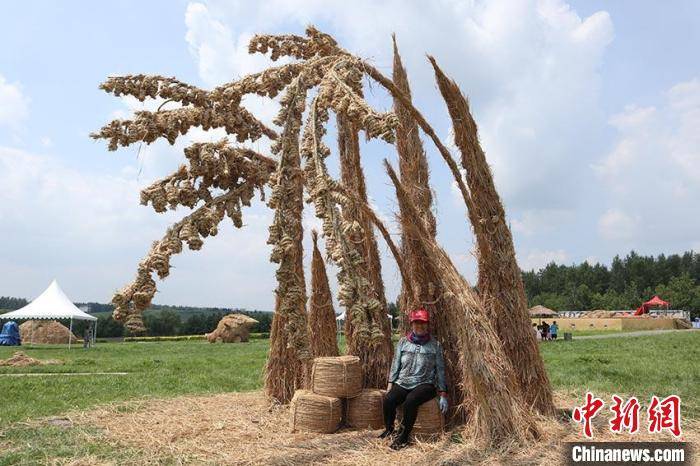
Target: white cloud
x,y
539,221
650,177
536,259
615,224
14,105
88,230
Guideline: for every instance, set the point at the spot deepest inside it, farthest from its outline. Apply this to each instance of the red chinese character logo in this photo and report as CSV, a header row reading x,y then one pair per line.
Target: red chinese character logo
x,y
665,414
587,412
626,416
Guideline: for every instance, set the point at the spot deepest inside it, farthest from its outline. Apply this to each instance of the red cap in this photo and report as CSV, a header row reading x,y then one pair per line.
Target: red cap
x,y
419,315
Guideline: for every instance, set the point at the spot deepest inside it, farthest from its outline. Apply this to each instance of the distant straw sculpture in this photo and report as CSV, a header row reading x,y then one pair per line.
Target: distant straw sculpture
x,y
413,167
496,410
322,324
500,281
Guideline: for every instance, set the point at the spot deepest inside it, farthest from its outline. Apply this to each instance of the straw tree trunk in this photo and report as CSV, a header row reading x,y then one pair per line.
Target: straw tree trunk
x,y
500,282
288,362
413,167
353,180
497,414
322,324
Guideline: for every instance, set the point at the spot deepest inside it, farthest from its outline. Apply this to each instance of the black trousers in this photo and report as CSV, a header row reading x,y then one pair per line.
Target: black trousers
x,y
411,400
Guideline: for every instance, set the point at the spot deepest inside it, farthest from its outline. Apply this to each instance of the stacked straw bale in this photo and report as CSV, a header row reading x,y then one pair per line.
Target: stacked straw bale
x,y
339,376
311,412
365,410
429,422
500,281
322,324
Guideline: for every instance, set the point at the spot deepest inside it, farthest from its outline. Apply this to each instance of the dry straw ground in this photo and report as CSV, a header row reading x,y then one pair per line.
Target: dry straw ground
x,y
242,429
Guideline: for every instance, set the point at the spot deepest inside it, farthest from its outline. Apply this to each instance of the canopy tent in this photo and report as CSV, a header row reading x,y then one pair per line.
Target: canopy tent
x,y
655,301
541,311
51,304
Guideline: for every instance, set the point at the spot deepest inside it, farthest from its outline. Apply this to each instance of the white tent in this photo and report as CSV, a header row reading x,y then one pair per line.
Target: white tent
x,y
51,304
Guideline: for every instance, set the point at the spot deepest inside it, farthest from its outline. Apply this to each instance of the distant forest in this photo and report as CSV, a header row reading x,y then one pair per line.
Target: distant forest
x,y
625,284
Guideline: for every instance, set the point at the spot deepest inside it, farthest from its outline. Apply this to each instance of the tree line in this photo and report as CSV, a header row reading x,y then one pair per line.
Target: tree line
x,y
625,284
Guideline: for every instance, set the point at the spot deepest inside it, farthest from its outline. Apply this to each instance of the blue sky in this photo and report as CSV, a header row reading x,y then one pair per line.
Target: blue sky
x,y
589,112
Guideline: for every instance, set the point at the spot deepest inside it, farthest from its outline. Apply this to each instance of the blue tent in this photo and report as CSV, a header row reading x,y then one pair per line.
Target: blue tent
x,y
10,334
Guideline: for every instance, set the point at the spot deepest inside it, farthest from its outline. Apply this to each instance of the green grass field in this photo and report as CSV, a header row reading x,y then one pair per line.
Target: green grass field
x,y
642,366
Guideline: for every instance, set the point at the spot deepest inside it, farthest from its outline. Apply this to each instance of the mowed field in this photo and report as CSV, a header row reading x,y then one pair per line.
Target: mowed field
x,y
642,366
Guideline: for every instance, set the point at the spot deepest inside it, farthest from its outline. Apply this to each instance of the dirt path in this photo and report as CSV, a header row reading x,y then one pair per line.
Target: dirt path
x,y
640,333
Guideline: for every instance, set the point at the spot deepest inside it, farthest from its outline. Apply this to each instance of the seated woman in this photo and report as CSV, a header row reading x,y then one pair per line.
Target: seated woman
x,y
417,374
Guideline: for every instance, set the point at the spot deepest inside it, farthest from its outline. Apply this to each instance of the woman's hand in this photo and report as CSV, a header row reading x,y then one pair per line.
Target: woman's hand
x,y
388,387
443,404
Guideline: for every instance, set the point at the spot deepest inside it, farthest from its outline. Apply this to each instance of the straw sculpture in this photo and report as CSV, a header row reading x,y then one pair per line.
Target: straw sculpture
x,y
232,328
339,376
45,332
310,412
429,421
322,324
487,381
500,281
353,180
343,238
413,168
497,412
365,410
290,354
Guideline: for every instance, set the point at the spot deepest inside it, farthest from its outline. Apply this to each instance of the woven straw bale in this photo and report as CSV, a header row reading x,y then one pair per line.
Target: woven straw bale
x,y
315,413
337,376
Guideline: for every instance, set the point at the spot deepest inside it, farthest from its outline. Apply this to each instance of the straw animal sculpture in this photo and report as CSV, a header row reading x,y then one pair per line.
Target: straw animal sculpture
x,y
339,376
310,412
322,324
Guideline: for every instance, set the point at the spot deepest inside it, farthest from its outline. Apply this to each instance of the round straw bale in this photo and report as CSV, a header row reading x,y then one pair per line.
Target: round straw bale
x,y
339,376
315,413
365,410
429,422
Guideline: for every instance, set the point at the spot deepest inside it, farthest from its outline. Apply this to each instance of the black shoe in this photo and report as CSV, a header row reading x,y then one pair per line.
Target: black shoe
x,y
399,444
386,433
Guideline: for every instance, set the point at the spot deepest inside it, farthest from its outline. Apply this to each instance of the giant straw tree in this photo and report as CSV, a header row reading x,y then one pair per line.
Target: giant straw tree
x,y
321,79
